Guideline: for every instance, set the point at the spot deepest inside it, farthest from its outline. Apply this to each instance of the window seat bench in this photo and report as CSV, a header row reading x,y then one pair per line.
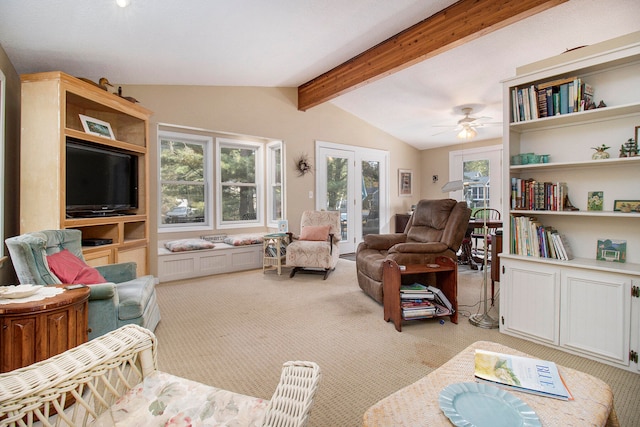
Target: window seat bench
x,y
223,258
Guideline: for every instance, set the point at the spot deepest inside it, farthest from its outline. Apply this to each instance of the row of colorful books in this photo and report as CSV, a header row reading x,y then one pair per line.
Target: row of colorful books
x,y
561,96
531,238
419,301
530,194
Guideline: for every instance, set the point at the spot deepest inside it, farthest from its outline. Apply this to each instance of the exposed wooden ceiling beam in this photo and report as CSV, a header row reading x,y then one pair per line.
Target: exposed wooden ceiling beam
x,y
460,23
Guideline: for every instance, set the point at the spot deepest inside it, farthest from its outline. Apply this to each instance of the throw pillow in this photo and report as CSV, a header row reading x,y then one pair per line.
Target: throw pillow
x,y
72,270
315,232
184,245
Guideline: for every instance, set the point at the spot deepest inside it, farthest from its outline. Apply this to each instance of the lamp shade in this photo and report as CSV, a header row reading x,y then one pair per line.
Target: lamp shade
x,y
467,132
453,186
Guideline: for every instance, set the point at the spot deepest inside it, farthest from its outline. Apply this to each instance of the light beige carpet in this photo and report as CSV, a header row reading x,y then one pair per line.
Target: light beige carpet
x,y
234,331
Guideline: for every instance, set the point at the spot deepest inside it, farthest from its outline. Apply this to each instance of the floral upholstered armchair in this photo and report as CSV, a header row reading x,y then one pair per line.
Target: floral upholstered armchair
x,y
436,228
316,249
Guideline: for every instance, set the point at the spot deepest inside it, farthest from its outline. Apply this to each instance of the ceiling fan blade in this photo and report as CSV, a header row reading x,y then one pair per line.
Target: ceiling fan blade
x,y
454,129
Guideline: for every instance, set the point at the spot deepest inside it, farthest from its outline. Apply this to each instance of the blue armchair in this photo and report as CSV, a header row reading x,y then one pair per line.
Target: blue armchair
x,y
124,299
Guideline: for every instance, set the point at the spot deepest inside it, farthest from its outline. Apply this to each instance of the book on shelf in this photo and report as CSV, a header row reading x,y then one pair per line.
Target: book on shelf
x,y
415,291
417,304
414,287
441,298
520,373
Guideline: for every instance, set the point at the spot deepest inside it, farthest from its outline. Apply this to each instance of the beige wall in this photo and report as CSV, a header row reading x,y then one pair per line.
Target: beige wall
x,y
436,162
11,179
271,113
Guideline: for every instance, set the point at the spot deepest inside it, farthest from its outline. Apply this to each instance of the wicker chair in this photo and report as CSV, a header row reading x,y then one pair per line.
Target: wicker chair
x,y
86,386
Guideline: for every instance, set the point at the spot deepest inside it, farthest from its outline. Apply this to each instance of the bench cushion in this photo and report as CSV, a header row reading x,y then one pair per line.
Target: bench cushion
x,y
244,239
183,245
163,399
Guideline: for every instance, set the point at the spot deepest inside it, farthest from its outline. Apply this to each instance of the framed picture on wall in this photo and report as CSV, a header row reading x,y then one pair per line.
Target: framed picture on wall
x,y
405,182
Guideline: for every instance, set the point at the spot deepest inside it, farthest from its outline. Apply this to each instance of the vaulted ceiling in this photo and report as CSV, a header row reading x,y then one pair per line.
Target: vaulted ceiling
x,y
287,43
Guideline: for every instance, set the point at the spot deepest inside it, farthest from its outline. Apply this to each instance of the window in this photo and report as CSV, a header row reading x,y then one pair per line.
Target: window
x,y
275,193
185,169
481,172
239,178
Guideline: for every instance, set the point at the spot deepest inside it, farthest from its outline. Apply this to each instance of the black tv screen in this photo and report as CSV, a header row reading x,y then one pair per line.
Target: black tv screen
x,y
99,181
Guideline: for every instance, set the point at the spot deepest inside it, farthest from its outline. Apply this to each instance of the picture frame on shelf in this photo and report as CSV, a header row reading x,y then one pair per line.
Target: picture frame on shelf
x,y
612,250
405,182
283,226
626,206
96,127
595,200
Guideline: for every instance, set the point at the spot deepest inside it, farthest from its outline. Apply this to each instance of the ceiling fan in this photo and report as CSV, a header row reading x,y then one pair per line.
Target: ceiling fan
x,y
466,126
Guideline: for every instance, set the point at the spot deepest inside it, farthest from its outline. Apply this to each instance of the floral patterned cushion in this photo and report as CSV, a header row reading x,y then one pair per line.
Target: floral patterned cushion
x,y
166,400
183,245
244,239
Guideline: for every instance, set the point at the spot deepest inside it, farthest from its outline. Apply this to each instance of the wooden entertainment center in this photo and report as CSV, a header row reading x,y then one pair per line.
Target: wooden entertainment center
x,y
51,107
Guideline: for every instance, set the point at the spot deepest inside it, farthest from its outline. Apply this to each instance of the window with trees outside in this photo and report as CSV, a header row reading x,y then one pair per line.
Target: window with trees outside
x,y
275,193
185,175
239,183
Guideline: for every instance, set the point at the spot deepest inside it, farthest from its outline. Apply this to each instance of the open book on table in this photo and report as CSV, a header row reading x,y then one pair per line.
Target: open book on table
x,y
521,374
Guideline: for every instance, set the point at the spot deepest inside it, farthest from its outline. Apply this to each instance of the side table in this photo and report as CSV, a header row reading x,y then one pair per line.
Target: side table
x,y
392,277
274,250
36,330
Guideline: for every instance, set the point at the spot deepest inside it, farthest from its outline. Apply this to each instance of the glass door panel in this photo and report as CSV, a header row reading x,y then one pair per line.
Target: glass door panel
x,y
370,197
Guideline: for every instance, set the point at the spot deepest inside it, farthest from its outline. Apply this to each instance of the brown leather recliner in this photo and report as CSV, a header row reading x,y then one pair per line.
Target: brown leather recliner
x,y
436,228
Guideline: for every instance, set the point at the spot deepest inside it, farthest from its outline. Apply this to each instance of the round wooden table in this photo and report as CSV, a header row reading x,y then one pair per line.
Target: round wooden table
x,y
36,330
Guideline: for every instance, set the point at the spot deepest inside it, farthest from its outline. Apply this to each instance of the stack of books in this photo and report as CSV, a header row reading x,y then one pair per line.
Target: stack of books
x,y
561,96
416,301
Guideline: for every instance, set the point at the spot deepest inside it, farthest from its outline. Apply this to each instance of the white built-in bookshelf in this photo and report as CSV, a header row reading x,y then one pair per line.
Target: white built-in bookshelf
x,y
552,301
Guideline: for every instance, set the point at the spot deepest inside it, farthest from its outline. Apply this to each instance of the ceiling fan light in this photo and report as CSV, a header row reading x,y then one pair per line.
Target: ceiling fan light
x,y
123,3
467,132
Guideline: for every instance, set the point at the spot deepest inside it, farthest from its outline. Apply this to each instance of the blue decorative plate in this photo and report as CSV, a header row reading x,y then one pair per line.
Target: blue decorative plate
x,y
481,405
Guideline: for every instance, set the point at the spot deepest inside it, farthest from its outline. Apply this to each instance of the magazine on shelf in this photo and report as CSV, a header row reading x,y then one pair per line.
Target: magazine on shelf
x,y
521,374
441,298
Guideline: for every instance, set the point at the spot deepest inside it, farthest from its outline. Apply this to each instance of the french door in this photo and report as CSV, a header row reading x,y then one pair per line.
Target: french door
x,y
480,169
353,180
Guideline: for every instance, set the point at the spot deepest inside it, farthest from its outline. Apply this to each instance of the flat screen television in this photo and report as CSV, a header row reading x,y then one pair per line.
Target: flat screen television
x,y
99,181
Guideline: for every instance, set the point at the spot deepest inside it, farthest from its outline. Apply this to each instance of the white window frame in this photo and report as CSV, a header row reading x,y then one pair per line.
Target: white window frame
x,y
259,184
3,111
272,149
207,142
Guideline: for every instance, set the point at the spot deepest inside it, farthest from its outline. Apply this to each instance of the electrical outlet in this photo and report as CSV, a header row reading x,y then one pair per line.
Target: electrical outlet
x,y
311,194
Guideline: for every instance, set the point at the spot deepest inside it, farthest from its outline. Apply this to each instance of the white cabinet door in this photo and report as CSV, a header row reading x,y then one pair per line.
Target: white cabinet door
x,y
531,295
596,314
